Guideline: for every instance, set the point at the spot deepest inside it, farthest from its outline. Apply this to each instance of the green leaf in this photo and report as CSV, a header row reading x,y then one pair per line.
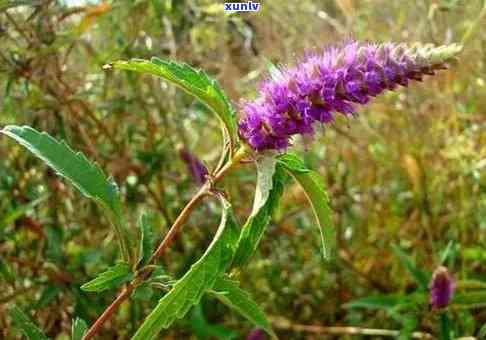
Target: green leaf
x,y
315,190
418,275
254,227
49,294
194,81
202,275
78,329
113,277
23,323
470,300
445,327
265,171
448,252
229,292
375,302
147,242
77,169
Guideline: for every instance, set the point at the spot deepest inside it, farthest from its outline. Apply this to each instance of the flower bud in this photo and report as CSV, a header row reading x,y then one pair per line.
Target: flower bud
x,y
441,288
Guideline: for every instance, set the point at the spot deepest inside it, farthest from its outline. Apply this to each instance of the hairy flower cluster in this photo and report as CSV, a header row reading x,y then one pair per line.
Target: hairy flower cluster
x,y
441,288
336,80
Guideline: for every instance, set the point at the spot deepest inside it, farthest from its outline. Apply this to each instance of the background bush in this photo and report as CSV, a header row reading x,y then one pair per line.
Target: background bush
x,y
408,172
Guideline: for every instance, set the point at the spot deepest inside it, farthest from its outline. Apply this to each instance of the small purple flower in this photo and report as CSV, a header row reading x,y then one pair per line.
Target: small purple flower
x,y
441,288
195,167
256,334
336,80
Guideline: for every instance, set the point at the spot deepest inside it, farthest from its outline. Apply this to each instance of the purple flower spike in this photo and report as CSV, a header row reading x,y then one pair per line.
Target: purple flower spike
x,y
441,288
337,80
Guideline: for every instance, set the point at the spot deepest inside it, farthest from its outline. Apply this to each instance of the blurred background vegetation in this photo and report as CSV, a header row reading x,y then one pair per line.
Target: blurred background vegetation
x,y
408,174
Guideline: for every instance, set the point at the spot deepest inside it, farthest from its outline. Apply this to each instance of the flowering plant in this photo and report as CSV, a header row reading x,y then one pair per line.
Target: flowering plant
x,y
292,101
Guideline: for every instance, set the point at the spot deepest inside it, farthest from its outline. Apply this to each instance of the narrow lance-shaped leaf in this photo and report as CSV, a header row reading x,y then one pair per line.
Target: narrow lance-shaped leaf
x,y
270,185
418,275
202,275
194,81
23,323
86,176
315,191
147,244
113,277
229,292
78,329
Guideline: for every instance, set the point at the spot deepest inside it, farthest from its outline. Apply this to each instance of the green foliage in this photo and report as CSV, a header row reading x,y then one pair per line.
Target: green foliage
x,y
113,277
23,323
263,208
315,190
147,241
47,296
409,264
408,171
202,275
19,212
77,169
470,300
6,272
204,330
79,327
229,292
193,81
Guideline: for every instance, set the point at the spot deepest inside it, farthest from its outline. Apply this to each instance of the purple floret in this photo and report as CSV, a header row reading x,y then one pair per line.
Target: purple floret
x,y
336,80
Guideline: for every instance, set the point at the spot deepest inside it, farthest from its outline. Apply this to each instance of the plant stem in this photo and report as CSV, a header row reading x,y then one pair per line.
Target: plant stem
x,y
287,325
166,242
445,330
98,324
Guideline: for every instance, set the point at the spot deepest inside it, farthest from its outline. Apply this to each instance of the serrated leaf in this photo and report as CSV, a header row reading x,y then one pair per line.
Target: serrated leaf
x,y
202,275
86,176
409,264
113,277
78,329
24,324
315,190
147,242
229,292
254,227
75,167
194,81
